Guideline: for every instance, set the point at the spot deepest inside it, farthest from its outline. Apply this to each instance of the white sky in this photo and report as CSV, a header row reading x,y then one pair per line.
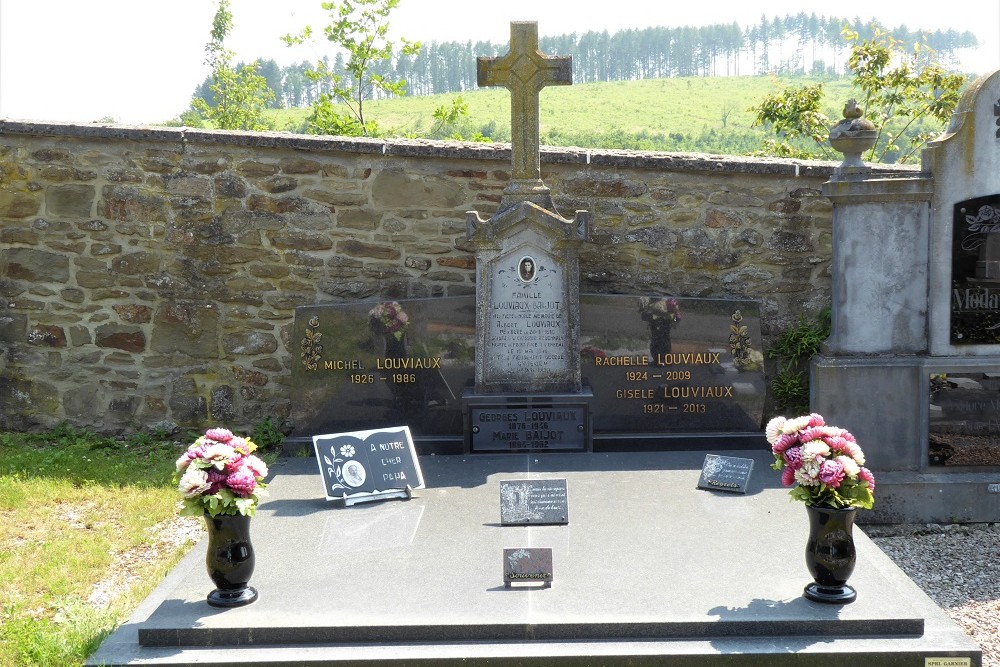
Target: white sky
x,y
138,61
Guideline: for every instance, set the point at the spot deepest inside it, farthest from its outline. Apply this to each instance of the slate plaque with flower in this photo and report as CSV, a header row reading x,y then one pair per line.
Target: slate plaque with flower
x,y
375,464
725,473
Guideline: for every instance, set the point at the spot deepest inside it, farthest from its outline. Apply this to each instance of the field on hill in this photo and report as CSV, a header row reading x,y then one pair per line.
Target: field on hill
x,y
689,114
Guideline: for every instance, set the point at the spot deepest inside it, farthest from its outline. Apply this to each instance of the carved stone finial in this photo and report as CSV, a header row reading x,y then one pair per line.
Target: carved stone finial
x,y
852,136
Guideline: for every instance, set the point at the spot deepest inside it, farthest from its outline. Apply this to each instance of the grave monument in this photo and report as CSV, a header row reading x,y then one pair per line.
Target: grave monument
x,y
531,364
527,284
615,542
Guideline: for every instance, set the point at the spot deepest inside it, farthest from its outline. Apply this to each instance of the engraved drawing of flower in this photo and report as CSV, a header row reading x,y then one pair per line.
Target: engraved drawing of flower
x,y
347,451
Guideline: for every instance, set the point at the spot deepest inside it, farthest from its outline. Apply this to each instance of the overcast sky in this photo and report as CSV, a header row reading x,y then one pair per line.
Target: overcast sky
x,y
138,61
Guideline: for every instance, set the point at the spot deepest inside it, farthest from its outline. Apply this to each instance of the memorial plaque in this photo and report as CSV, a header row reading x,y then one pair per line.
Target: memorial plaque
x,y
527,326
975,272
964,419
527,566
534,501
364,365
725,473
654,365
557,426
659,364
368,464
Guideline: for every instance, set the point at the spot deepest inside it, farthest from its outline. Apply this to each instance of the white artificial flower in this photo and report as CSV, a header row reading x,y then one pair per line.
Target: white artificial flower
x,y
808,475
194,482
218,455
851,467
795,425
773,429
813,449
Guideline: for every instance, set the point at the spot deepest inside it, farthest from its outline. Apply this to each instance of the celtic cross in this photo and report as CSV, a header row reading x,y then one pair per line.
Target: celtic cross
x,y
524,71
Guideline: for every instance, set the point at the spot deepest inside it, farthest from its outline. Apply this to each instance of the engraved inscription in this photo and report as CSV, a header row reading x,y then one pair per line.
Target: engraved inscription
x,y
528,322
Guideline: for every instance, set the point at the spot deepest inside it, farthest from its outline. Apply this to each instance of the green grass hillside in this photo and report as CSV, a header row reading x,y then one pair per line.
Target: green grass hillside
x,y
677,114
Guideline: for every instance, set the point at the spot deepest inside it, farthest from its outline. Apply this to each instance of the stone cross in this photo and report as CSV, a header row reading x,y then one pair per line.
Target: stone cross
x,y
524,71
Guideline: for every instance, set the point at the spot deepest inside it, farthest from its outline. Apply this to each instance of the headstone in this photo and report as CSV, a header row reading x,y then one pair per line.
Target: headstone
x,y
527,287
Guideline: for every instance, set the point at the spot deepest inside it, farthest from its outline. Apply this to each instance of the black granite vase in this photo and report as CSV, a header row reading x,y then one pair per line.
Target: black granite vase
x,y
830,554
230,560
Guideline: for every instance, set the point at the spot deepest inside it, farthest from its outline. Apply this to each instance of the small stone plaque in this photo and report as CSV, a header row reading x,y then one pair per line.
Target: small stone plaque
x,y
534,501
947,662
368,465
527,565
725,473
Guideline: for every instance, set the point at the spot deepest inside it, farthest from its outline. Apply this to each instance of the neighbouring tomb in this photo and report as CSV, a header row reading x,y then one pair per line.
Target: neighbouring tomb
x,y
912,362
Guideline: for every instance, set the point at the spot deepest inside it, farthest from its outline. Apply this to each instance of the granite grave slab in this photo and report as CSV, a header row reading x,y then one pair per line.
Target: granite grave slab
x,y
670,574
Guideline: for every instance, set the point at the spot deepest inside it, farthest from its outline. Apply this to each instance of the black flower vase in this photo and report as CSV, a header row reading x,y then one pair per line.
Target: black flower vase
x,y
230,560
830,554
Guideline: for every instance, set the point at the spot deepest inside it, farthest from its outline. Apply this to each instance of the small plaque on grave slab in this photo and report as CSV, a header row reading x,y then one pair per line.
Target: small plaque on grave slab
x,y
725,473
361,466
534,502
527,565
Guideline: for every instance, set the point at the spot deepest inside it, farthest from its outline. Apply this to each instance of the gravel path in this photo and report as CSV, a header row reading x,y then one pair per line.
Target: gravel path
x,y
957,566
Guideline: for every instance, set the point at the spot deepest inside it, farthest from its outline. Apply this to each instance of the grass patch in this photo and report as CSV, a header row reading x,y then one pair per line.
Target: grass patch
x,y
73,507
697,114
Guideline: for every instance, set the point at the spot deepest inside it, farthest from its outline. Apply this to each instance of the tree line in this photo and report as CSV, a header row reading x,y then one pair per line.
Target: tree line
x,y
799,44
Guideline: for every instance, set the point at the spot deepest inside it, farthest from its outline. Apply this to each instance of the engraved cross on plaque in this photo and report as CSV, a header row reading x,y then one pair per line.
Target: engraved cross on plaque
x,y
524,71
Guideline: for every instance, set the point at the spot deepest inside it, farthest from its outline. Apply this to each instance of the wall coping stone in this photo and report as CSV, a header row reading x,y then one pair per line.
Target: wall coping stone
x,y
680,162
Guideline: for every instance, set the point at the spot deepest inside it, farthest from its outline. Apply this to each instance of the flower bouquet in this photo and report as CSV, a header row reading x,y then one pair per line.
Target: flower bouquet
x,y
658,310
824,463
389,318
219,475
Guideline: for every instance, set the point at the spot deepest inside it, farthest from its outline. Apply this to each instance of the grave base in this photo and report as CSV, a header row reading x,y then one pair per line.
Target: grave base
x,y
649,570
885,402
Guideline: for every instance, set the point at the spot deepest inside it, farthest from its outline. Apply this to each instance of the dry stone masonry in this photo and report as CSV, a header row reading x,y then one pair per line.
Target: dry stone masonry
x,y
150,275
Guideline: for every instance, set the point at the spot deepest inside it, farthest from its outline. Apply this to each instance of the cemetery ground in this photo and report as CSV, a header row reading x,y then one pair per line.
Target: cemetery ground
x,y
89,526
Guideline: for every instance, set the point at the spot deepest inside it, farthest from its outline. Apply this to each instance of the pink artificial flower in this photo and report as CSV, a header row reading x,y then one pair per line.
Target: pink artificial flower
x,y
793,458
867,476
240,445
788,476
222,435
783,442
216,479
836,443
235,463
256,466
816,420
242,482
831,473
812,433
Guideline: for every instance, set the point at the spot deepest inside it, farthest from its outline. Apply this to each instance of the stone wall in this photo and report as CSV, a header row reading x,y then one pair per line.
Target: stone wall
x,y
151,275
